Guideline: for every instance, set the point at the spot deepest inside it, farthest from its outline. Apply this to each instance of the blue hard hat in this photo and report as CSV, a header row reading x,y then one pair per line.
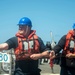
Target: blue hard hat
x,y
25,21
74,26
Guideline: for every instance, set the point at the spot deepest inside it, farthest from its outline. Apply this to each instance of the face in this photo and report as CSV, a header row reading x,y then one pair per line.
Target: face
x,y
24,30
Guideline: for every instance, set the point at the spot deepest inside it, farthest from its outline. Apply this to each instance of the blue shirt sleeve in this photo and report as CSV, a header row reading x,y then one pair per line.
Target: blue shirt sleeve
x,y
42,45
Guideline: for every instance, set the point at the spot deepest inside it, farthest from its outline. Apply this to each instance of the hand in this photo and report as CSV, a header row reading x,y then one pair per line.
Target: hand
x,y
52,54
70,55
35,56
53,57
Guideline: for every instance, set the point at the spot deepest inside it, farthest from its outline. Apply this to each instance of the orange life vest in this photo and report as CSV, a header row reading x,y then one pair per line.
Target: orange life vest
x,y
26,47
69,39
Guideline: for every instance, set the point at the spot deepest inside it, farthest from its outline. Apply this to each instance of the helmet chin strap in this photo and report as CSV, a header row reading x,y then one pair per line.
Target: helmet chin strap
x,y
26,30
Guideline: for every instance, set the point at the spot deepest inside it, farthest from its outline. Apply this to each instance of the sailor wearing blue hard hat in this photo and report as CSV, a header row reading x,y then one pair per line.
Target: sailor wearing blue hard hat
x,y
25,25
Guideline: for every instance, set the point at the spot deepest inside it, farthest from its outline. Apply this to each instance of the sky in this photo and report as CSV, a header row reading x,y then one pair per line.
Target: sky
x,y
47,16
